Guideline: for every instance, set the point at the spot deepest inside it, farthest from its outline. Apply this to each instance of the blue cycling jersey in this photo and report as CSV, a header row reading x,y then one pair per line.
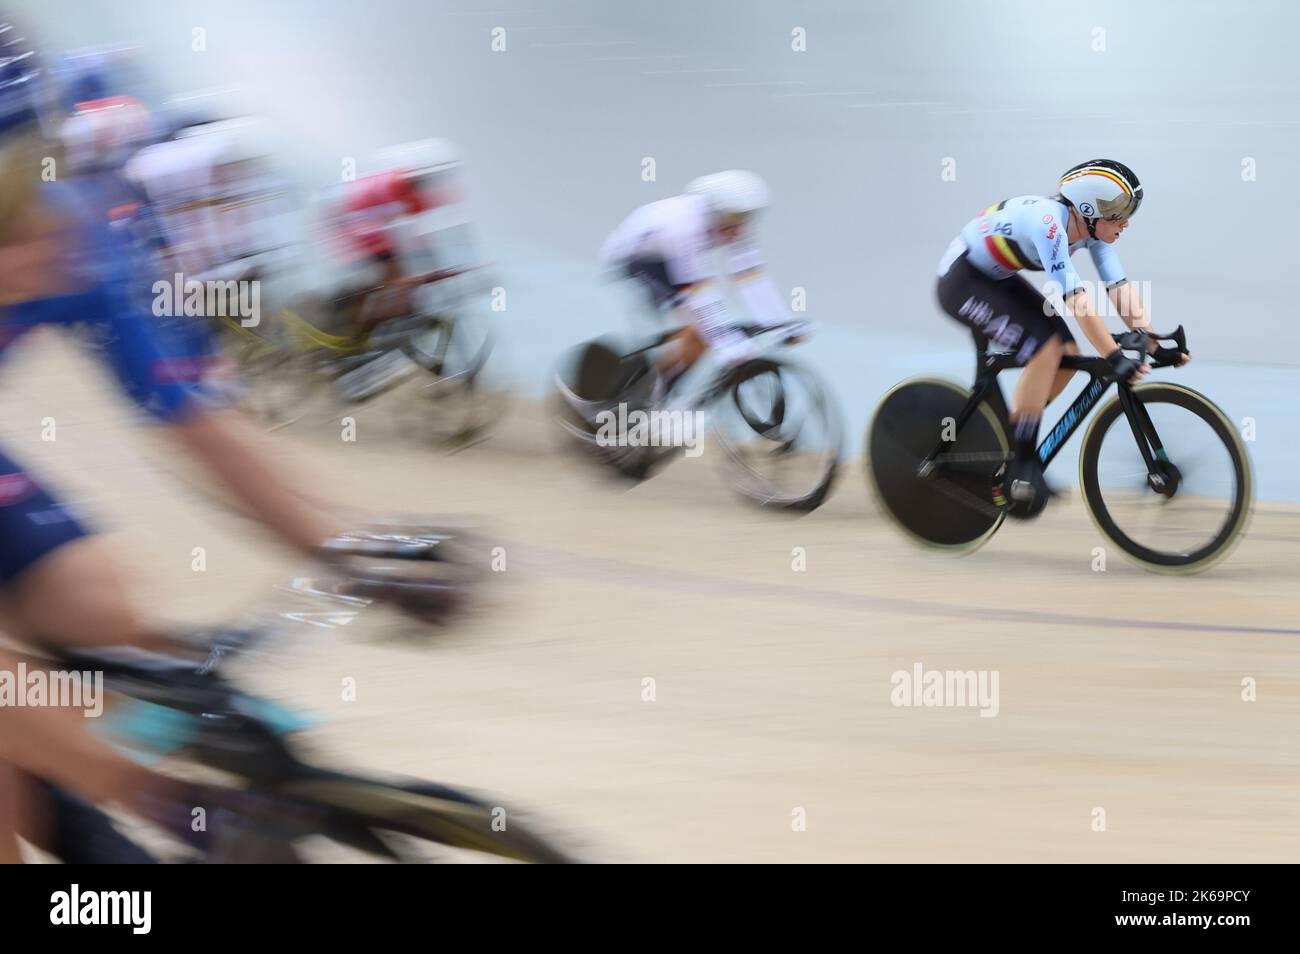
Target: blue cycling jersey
x,y
99,264
1028,233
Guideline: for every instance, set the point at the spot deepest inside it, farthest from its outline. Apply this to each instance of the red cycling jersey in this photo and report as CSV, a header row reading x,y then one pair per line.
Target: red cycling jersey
x,y
372,204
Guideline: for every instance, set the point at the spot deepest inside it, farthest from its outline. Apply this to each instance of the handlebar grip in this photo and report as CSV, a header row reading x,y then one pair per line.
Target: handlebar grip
x,y
1180,338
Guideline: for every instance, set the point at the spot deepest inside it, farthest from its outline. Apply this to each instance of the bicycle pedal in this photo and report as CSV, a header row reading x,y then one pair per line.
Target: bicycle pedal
x,y
1022,491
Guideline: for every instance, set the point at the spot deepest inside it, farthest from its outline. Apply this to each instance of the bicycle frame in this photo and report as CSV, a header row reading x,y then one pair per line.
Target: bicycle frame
x,y
989,366
719,384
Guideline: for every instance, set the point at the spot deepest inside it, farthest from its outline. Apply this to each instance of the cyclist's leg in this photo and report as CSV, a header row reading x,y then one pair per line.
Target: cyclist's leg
x,y
17,808
1009,313
1034,389
56,745
1065,376
66,826
688,345
74,596
59,584
79,833
1014,315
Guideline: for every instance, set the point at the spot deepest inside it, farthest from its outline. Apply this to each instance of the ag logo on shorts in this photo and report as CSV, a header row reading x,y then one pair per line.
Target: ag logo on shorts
x,y
1086,209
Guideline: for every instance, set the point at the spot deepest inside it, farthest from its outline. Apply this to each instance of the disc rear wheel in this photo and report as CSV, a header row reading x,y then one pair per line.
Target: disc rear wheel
x,y
953,506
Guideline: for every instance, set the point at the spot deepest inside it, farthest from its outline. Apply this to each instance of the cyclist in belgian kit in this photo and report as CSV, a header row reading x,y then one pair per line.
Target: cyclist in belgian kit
x,y
980,286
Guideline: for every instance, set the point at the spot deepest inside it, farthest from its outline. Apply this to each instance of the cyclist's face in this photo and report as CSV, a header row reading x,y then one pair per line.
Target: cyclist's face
x,y
1108,230
730,227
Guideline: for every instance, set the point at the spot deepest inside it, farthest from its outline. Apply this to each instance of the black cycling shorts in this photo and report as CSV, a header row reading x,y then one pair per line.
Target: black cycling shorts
x,y
32,522
1009,313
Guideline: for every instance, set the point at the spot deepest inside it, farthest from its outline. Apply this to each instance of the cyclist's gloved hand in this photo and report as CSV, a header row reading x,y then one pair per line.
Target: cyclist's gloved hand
x,y
1167,358
418,589
797,331
418,596
1123,367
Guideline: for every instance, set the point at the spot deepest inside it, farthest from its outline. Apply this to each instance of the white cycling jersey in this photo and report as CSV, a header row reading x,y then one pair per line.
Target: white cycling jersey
x,y
219,221
679,233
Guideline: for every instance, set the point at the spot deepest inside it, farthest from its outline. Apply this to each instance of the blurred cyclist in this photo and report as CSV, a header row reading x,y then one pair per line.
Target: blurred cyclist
x,y
380,227
980,286
217,206
61,264
103,124
668,248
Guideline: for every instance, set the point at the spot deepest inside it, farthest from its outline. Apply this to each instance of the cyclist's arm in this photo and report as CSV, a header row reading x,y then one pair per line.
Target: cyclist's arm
x,y
1053,247
687,262
170,387
1121,294
753,286
1128,303
1091,324
230,450
689,268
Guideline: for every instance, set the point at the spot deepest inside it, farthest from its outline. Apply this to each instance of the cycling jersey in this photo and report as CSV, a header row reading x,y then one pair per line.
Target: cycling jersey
x,y
1029,233
98,268
371,206
671,244
216,223
96,265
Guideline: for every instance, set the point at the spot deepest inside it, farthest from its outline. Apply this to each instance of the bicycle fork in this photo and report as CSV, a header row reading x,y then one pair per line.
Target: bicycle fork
x,y
1162,476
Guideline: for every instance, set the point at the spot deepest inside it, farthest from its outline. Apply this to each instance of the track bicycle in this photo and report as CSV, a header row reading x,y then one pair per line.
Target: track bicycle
x,y
277,804
773,420
1162,470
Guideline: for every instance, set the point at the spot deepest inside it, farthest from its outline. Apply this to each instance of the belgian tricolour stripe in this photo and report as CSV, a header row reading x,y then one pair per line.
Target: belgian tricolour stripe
x,y
1098,171
1003,252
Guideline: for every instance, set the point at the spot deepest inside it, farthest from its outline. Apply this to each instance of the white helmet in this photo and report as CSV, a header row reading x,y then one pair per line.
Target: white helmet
x,y
734,192
1102,189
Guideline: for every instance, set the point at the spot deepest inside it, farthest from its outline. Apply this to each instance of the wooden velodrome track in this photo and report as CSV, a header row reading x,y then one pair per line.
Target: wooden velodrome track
x,y
1118,690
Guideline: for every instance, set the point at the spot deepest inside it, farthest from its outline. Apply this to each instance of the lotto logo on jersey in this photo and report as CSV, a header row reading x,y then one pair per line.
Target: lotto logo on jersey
x,y
1051,233
984,226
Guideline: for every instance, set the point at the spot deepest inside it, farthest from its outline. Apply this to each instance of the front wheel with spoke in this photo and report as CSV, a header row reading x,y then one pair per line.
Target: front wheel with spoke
x,y
463,401
1183,511
780,435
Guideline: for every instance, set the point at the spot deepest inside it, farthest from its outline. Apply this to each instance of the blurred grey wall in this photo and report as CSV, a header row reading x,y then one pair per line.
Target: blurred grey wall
x,y
852,132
